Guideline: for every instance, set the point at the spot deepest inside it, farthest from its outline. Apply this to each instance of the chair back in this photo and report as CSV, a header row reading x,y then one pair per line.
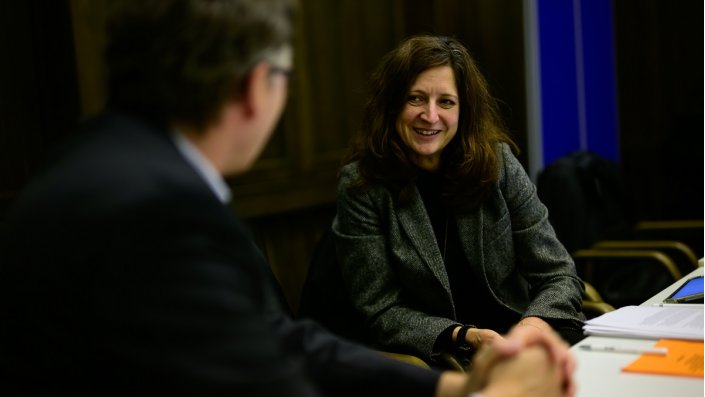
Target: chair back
x,y
680,253
626,277
324,297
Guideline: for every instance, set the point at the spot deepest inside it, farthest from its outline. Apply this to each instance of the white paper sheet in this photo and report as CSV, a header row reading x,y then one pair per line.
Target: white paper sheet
x,y
674,321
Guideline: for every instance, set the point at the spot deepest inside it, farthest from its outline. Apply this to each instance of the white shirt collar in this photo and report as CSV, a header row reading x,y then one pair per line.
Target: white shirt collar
x,y
202,165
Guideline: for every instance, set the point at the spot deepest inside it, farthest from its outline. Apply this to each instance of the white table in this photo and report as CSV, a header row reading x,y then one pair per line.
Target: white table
x,y
599,374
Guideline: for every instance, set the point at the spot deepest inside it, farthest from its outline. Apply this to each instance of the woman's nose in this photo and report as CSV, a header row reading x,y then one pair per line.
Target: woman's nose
x,y
430,113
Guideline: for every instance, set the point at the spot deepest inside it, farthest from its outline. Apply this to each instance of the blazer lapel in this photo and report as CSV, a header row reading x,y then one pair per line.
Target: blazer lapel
x,y
415,221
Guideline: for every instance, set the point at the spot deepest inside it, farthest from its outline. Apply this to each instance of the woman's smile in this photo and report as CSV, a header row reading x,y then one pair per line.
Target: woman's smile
x,y
429,119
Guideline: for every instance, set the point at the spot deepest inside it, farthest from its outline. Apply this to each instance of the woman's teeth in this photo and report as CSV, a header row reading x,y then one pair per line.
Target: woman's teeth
x,y
426,132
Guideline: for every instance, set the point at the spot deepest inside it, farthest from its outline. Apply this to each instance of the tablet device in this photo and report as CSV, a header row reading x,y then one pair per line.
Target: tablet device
x,y
690,292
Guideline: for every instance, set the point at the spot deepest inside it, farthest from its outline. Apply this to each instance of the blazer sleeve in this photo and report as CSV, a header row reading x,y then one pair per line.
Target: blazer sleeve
x,y
555,289
341,368
208,303
362,228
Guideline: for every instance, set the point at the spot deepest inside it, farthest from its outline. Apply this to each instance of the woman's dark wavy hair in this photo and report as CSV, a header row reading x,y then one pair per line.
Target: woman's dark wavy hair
x,y
181,60
469,163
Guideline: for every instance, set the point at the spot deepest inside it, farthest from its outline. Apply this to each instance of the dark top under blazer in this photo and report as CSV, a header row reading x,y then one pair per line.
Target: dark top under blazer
x,y
395,274
121,272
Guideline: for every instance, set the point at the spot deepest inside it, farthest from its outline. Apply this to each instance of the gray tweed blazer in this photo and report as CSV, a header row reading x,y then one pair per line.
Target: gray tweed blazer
x,y
394,271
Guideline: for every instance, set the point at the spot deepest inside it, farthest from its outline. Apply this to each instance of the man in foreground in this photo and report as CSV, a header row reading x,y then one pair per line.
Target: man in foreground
x,y
123,271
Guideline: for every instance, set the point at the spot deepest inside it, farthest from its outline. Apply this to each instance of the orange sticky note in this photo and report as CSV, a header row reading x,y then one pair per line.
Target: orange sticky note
x,y
684,358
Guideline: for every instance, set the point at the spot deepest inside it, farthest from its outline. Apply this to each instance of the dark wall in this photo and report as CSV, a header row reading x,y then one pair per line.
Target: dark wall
x,y
659,48
39,103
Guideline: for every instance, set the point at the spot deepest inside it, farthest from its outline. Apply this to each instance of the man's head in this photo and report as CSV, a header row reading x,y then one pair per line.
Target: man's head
x,y
180,61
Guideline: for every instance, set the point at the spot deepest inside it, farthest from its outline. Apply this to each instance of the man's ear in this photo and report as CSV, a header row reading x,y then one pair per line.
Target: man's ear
x,y
255,89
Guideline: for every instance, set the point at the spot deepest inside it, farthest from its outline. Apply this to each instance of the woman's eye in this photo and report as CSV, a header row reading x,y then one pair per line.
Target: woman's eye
x,y
447,103
414,99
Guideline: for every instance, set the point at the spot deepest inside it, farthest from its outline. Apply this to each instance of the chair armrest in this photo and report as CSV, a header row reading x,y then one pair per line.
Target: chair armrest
x,y
591,294
407,358
595,309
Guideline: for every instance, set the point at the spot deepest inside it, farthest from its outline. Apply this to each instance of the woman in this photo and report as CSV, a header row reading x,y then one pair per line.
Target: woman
x,y
442,241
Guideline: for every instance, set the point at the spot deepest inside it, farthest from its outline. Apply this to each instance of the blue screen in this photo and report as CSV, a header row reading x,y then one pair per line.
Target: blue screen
x,y
692,286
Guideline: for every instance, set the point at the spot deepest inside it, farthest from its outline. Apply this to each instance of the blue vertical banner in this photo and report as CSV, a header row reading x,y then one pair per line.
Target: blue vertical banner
x,y
599,78
571,85
559,77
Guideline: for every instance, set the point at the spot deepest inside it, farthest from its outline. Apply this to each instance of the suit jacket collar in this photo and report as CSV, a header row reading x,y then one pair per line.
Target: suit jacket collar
x,y
202,165
147,142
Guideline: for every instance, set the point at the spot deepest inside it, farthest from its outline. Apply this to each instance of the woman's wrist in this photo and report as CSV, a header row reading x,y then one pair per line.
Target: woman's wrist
x,y
461,342
535,322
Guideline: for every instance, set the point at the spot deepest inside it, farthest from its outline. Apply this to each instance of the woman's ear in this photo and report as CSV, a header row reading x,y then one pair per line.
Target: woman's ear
x,y
254,93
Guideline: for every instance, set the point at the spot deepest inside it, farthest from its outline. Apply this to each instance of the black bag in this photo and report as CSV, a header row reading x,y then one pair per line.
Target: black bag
x,y
586,200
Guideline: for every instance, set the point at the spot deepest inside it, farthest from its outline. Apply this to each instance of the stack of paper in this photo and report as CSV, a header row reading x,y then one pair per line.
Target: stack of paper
x,y
675,322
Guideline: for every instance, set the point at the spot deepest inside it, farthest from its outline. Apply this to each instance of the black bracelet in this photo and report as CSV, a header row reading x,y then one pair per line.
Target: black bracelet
x,y
460,341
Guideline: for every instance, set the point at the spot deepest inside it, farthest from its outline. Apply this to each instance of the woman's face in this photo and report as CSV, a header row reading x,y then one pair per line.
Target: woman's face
x,y
429,119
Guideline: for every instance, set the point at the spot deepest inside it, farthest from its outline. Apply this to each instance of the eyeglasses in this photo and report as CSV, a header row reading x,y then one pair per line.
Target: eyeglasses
x,y
287,72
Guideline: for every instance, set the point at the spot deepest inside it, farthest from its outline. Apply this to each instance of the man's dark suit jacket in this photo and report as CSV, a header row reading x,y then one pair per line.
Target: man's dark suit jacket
x,y
120,271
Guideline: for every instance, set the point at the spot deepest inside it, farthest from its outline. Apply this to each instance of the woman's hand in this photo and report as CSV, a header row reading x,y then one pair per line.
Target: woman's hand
x,y
476,337
531,373
516,341
559,351
526,362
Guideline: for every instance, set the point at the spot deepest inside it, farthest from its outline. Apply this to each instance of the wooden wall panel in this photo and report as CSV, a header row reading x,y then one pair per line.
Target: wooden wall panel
x,y
38,99
337,45
89,17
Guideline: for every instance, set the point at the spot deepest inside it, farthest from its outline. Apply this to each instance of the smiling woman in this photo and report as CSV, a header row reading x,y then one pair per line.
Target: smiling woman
x,y
438,226
429,119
